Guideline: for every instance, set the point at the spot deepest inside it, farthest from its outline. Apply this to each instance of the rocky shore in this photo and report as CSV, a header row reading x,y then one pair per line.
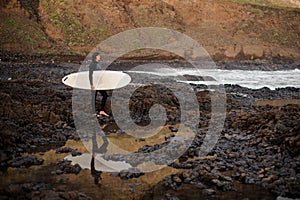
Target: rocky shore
x,y
259,144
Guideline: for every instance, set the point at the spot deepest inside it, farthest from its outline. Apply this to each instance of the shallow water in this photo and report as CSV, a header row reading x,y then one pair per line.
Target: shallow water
x,y
112,187
148,186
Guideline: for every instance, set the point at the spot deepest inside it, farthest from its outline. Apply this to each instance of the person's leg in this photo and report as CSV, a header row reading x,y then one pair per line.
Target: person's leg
x,y
96,93
94,144
95,147
95,173
104,146
103,102
93,100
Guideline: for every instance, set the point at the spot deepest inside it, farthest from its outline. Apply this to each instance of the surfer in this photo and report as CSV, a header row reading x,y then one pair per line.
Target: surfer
x,y
95,65
97,173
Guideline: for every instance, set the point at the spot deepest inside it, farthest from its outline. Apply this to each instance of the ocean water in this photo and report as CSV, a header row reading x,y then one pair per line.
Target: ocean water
x,y
253,79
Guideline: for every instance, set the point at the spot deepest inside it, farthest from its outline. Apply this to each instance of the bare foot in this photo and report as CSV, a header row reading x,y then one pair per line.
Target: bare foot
x,y
103,113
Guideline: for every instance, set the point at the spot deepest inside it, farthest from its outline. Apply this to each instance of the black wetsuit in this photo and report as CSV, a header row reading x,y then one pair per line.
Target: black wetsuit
x,y
96,66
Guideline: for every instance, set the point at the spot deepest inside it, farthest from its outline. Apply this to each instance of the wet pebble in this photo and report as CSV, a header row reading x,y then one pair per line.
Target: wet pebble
x,y
61,180
68,150
26,161
131,173
114,174
65,167
171,197
174,129
209,192
76,153
169,183
200,185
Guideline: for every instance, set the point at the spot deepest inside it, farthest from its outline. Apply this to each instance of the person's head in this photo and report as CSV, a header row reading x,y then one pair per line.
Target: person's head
x,y
96,57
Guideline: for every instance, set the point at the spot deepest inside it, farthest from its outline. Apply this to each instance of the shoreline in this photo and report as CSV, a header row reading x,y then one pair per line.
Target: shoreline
x,y
36,111
19,57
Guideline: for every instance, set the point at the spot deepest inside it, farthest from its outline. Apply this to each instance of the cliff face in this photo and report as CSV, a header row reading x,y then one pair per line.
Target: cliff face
x,y
226,29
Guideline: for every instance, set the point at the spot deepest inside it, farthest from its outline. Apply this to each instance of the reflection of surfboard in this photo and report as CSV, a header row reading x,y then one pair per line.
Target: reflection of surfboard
x,y
103,80
101,164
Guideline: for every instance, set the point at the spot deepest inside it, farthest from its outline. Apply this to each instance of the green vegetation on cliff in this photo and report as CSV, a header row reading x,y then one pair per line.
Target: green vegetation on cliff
x,y
226,28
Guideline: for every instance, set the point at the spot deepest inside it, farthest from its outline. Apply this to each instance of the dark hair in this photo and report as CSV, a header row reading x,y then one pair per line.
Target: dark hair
x,y
94,56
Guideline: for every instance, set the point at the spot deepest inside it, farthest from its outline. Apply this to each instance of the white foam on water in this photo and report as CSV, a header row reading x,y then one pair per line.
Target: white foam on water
x,y
253,79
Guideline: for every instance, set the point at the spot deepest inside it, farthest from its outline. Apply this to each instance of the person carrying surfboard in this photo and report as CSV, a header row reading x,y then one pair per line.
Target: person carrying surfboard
x,y
95,65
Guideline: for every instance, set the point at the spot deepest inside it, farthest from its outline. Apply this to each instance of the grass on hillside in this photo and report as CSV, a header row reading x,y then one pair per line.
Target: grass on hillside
x,y
278,4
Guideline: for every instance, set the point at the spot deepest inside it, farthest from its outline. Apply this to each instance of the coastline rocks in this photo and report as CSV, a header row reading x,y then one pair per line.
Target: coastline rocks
x,y
209,192
171,197
130,173
26,161
201,178
276,125
68,150
35,108
170,183
259,144
39,191
65,167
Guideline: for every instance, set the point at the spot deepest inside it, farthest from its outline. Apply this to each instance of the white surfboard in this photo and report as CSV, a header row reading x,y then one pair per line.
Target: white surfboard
x,y
103,80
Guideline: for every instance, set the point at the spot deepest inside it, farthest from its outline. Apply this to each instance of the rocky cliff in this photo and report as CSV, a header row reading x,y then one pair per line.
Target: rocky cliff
x,y
228,29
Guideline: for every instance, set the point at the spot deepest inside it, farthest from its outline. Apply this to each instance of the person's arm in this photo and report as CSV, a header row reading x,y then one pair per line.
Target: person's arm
x,y
91,71
93,164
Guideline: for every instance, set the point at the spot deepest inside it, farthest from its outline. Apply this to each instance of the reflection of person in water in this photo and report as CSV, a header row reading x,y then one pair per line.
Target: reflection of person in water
x,y
96,66
97,173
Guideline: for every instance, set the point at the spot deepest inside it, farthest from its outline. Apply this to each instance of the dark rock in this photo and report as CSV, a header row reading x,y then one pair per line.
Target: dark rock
x,y
131,190
58,172
173,129
65,167
131,173
170,197
114,174
168,182
201,185
64,150
76,153
26,161
209,192
3,156
176,179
